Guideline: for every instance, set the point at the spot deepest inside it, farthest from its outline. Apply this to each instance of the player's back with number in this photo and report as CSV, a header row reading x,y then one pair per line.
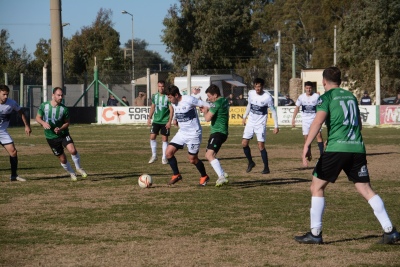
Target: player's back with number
x,y
343,121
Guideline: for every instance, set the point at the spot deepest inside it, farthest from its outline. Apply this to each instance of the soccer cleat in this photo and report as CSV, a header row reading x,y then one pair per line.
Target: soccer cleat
x,y
309,238
73,176
221,181
250,166
82,172
19,179
265,171
204,180
175,179
390,238
152,159
164,161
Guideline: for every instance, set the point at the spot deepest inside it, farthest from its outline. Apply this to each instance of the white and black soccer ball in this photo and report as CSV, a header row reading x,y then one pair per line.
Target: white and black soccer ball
x,y
145,181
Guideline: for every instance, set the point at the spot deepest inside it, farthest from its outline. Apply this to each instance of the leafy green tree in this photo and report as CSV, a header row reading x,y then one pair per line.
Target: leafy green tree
x,y
98,44
371,31
144,59
210,34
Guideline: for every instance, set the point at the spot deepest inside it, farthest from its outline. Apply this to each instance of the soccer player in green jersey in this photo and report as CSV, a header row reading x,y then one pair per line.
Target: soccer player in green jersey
x,y
218,114
54,117
345,150
162,112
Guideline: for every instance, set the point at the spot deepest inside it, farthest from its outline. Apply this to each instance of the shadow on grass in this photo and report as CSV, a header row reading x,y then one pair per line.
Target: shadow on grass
x,y
381,153
353,239
264,182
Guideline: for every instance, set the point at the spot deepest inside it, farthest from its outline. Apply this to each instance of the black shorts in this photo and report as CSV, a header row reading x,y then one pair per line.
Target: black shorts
x,y
57,145
331,164
215,141
156,128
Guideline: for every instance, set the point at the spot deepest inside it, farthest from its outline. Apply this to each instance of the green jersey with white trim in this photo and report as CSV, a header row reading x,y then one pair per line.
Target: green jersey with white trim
x,y
220,119
342,121
161,111
55,116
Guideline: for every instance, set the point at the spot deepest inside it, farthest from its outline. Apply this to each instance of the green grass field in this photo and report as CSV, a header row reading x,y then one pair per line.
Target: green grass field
x,y
107,220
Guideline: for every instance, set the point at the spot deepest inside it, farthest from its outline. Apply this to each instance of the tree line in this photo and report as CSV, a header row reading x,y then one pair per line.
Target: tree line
x,y
220,36
243,36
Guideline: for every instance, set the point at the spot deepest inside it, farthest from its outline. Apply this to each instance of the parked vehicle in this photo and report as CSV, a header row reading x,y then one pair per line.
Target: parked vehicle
x,y
388,100
281,98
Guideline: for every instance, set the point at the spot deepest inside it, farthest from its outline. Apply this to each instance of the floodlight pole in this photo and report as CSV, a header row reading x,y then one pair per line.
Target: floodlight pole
x,y
133,53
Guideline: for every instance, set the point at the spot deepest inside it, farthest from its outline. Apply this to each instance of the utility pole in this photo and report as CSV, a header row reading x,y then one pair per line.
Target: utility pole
x,y
279,61
57,78
334,47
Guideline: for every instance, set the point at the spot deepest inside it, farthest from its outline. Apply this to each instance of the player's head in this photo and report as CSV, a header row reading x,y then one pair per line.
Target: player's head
x,y
57,95
331,77
161,86
173,93
4,91
258,84
308,87
213,92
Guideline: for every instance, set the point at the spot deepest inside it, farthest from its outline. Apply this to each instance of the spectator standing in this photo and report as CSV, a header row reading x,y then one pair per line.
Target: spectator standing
x,y
365,100
257,112
162,112
231,100
7,106
397,100
125,101
345,150
53,116
112,101
141,99
241,101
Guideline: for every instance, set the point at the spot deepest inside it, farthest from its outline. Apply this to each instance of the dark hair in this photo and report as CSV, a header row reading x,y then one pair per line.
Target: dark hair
x,y
57,88
259,80
4,87
214,90
161,81
308,83
172,90
332,74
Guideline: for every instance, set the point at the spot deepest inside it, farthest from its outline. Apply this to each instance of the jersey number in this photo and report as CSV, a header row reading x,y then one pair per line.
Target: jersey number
x,y
350,112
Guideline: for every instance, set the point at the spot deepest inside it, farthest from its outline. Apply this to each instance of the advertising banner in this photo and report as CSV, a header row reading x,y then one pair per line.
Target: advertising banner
x,y
390,114
112,115
236,116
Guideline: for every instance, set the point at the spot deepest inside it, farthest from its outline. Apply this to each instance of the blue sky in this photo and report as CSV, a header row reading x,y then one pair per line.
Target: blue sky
x,y
29,20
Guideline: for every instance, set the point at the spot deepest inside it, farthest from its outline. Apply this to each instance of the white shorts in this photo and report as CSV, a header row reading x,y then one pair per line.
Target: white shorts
x,y
191,140
306,127
5,138
259,130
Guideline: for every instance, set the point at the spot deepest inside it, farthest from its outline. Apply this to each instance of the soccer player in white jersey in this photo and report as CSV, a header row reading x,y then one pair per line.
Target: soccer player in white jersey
x,y
257,111
54,117
189,133
7,106
308,103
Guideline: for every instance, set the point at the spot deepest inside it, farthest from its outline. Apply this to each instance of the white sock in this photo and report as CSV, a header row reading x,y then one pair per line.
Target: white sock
x,y
316,212
153,145
67,167
164,148
76,159
217,167
377,205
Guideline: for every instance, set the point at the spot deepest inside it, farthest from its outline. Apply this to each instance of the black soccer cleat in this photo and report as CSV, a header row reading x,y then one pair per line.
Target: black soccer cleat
x,y
390,238
250,166
265,171
309,238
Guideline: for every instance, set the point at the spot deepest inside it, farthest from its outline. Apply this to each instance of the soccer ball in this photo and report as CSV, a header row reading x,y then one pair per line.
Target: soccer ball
x,y
145,181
